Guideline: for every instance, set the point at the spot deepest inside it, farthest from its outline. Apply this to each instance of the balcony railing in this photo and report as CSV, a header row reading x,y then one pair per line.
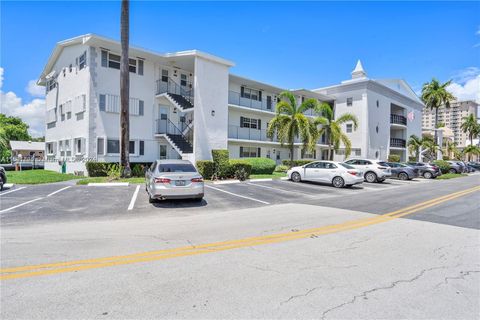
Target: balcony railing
x,y
265,104
397,143
237,132
398,119
170,86
165,126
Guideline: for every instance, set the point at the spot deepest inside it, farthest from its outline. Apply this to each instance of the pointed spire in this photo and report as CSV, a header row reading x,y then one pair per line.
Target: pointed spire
x,y
359,72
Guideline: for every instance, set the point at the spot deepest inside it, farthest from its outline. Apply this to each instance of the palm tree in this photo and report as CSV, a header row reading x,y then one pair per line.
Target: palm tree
x,y
290,123
332,129
431,147
471,127
471,150
450,148
124,91
414,144
434,95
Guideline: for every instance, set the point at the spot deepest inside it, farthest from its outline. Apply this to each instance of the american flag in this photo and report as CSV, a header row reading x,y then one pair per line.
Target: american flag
x,y
410,116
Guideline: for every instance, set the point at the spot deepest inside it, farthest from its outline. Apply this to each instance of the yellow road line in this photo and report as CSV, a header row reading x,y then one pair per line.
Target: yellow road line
x,y
54,268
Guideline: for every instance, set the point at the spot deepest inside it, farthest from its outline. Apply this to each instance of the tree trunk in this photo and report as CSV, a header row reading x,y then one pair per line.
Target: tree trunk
x,y
124,91
436,124
291,154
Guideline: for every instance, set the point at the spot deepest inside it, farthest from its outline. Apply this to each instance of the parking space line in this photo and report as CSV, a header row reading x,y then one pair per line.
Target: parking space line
x,y
134,198
315,187
3,193
280,189
237,195
59,190
20,205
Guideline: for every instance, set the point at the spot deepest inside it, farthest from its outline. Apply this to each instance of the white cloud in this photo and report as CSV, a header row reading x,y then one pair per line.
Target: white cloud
x,y
34,90
32,113
466,84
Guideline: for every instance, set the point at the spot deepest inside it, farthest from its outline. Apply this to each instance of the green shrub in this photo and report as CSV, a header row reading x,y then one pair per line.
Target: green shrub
x,y
393,158
137,170
446,158
97,169
281,168
296,163
443,165
239,169
206,168
220,159
412,159
261,165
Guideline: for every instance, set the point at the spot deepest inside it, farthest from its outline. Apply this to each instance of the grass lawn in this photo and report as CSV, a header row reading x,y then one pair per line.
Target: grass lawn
x,y
451,176
37,176
135,180
275,175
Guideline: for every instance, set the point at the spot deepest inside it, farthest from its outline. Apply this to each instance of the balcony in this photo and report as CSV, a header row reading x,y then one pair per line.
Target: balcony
x,y
237,132
182,95
397,143
398,119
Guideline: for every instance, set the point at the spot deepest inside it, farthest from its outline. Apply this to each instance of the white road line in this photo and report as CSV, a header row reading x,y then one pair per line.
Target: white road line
x,y
237,195
1,194
19,205
134,198
280,189
55,192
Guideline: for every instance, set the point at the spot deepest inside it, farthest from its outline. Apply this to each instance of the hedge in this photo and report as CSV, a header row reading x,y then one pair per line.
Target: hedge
x,y
393,158
296,163
221,160
261,165
235,169
101,169
206,168
443,165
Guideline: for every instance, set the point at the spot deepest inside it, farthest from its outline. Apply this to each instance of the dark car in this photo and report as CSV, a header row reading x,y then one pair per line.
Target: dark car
x,y
403,171
456,167
3,178
426,170
474,165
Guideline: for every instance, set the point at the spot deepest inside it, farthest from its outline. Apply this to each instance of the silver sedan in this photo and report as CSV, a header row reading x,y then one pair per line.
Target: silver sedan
x,y
173,179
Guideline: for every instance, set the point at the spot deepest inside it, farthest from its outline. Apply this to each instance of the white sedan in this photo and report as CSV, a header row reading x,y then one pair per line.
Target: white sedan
x,y
338,174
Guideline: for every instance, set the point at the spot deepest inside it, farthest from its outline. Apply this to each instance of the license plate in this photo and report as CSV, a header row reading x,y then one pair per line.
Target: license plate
x,y
180,182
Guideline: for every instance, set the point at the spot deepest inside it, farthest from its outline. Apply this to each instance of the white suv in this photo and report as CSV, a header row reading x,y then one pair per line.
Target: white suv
x,y
374,170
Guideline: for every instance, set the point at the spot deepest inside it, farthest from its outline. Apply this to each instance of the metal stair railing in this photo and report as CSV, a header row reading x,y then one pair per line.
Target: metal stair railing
x,y
170,86
165,126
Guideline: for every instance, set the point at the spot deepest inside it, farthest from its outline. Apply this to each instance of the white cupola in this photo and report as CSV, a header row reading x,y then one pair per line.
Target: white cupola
x,y
358,72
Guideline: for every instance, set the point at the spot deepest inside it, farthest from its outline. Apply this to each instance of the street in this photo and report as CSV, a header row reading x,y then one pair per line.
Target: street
x,y
260,249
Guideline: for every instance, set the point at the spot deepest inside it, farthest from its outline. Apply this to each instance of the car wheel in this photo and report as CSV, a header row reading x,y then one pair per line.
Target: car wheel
x,y
427,175
1,182
296,177
338,182
370,177
199,199
451,170
403,176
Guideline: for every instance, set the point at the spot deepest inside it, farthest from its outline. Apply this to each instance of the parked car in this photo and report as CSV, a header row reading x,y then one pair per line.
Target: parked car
x,y
474,165
426,170
374,170
173,179
466,167
337,173
3,178
402,171
456,167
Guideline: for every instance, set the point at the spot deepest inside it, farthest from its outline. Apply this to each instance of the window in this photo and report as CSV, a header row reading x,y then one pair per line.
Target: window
x,y
50,148
104,58
140,107
132,65
164,75
113,146
131,147
68,151
140,67
70,67
349,127
102,102
250,123
62,113
51,84
176,167
251,94
142,148
163,152
183,80
79,145
100,146
250,152
113,61
60,147
378,104
349,102
82,60
376,128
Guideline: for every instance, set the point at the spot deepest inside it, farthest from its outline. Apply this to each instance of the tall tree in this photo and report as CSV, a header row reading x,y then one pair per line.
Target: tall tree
x,y
124,90
435,95
471,150
471,127
290,123
332,128
414,144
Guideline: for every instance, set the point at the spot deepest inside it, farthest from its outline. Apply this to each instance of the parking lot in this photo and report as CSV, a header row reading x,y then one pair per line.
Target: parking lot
x,y
67,201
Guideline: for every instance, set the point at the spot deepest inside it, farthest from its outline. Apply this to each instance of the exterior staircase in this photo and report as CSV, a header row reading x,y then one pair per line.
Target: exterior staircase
x,y
181,102
178,141
180,96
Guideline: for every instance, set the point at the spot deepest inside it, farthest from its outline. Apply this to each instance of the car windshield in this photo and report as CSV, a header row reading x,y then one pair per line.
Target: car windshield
x,y
346,166
176,167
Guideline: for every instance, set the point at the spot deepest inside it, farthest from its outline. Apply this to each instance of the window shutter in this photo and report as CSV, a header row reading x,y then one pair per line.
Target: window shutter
x,y
140,67
259,95
259,126
259,155
102,102
142,147
241,152
241,122
242,91
140,107
104,58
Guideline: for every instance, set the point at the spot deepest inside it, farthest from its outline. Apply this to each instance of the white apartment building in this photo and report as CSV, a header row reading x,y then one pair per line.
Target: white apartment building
x,y
182,105
452,118
388,112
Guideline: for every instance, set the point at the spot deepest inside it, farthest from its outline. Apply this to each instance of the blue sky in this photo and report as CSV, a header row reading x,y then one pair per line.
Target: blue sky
x,y
291,45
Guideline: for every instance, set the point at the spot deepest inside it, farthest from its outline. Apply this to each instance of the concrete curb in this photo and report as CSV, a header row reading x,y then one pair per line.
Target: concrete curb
x,y
8,185
108,184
